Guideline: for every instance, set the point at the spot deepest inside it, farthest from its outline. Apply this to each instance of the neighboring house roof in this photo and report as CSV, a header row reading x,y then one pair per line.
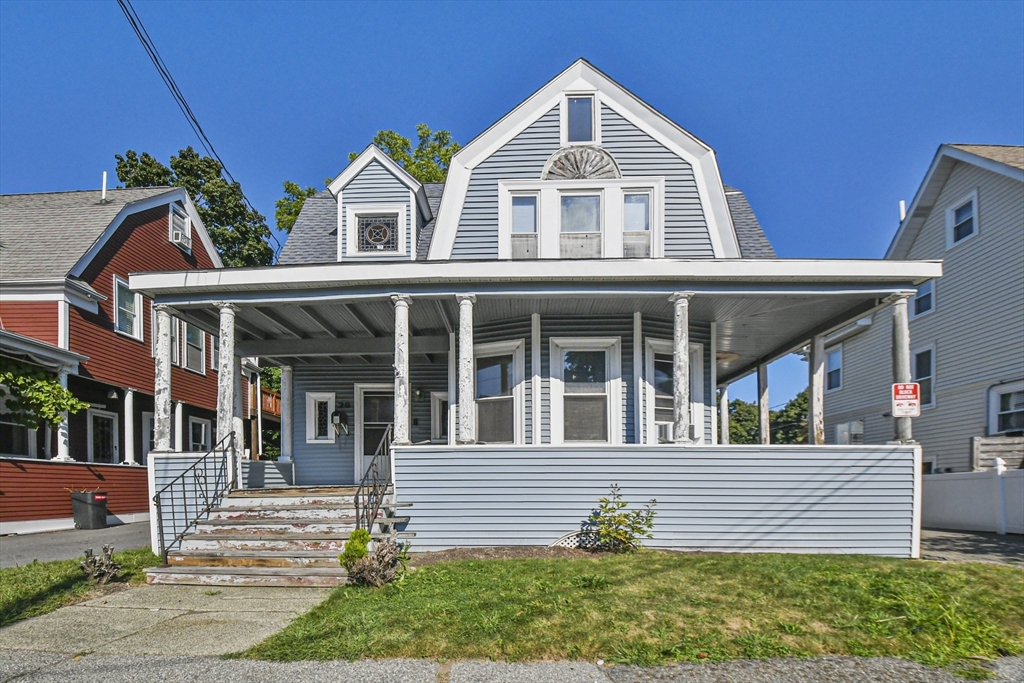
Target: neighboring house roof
x,y
47,235
1011,155
1007,160
314,237
753,242
14,345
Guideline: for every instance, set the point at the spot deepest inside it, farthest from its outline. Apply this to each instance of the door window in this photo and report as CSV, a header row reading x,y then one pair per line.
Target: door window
x,y
103,437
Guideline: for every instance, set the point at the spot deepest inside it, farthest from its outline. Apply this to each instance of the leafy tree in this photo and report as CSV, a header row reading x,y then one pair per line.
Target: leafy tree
x,y
289,206
429,162
743,422
788,425
238,232
33,396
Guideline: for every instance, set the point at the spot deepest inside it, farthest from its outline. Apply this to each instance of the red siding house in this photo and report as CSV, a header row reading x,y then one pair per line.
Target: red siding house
x,y
65,258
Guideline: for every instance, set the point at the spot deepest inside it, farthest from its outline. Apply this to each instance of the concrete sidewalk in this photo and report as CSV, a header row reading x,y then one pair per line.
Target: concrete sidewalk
x,y
17,550
972,546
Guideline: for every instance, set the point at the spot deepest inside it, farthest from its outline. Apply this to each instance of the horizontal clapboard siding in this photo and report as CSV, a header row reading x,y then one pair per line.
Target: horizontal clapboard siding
x,y
638,154
334,463
722,498
377,185
522,157
40,489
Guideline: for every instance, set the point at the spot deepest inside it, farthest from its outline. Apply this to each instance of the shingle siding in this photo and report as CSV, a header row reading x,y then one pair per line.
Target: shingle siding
x,y
977,326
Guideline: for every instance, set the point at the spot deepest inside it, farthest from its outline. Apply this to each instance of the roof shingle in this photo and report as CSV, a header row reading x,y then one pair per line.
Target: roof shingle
x,y
1011,155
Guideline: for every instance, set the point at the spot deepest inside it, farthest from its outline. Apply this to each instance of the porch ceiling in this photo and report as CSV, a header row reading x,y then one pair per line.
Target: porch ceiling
x,y
758,327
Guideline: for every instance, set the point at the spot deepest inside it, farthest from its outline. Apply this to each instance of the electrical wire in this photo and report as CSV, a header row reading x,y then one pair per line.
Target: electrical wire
x,y
165,75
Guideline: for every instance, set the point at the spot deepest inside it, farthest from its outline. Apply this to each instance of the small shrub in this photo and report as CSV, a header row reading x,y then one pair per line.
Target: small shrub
x,y
100,568
613,528
355,549
384,566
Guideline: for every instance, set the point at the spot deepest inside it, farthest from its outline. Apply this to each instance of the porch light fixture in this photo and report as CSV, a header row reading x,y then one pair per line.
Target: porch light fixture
x,y
726,356
112,394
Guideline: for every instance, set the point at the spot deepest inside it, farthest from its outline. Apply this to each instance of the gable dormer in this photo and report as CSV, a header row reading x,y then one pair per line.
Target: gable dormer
x,y
584,169
381,209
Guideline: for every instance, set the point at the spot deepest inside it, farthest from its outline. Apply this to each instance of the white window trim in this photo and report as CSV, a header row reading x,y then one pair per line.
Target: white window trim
x,y
175,208
549,212
147,420
933,460
436,416
842,363
912,306
993,403
312,397
184,349
214,354
515,194
357,427
95,412
971,196
613,348
208,424
563,116
698,405
913,371
140,332
517,348
352,214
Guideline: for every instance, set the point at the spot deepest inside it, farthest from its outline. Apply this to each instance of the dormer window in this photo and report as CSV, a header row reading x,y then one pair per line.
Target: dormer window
x,y
180,228
580,124
378,233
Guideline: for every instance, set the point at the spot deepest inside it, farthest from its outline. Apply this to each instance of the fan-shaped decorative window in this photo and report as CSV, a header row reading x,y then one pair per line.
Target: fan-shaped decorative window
x,y
580,162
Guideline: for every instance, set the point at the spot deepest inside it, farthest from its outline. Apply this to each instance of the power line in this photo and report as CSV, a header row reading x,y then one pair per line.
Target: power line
x,y
179,99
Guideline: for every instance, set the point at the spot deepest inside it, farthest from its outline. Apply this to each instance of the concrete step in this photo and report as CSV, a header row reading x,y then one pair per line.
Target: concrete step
x,y
272,543
321,559
247,576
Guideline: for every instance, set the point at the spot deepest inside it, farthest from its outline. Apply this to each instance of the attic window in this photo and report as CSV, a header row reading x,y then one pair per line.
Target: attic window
x,y
180,232
378,233
580,119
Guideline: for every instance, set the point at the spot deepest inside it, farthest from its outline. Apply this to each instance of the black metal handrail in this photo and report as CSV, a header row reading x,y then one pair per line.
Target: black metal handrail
x,y
192,494
374,485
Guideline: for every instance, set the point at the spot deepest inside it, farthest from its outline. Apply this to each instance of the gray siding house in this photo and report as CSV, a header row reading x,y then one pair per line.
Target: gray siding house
x,y
555,318
967,329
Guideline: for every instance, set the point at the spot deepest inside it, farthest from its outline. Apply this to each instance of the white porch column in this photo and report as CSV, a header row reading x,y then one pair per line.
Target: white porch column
x,y
467,397
162,382
237,423
816,392
129,427
681,367
764,415
179,427
226,373
402,414
723,415
286,414
901,372
63,440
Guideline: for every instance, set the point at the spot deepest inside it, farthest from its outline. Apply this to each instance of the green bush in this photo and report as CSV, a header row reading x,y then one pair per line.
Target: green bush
x,y
613,528
355,549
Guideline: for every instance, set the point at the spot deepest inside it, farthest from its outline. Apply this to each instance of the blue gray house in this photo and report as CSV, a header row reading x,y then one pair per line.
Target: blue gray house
x,y
562,314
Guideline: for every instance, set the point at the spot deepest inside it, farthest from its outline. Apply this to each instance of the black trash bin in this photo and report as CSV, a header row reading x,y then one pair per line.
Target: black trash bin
x,y
89,509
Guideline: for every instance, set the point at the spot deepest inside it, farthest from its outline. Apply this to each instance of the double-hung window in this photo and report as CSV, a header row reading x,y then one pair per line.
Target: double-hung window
x,y
850,432
636,224
834,369
319,406
499,392
661,392
585,390
129,309
195,349
924,375
198,434
1006,409
524,226
924,300
580,225
962,220
214,352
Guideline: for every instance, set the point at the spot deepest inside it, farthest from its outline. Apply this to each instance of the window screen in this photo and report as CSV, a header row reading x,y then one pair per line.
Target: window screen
x,y
585,413
193,348
834,370
581,213
127,316
637,212
963,221
524,214
378,233
1011,412
664,389
495,403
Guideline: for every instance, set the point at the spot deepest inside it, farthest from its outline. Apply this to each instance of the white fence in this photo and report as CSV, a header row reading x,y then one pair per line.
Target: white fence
x,y
975,501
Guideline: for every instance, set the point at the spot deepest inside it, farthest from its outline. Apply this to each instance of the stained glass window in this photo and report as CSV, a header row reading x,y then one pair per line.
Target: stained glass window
x,y
378,233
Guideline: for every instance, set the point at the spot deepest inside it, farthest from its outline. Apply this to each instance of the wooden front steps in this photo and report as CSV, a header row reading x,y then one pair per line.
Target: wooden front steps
x,y
274,537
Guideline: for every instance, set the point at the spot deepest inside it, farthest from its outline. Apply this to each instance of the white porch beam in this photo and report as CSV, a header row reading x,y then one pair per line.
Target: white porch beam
x,y
723,415
467,397
681,366
764,415
226,373
816,391
286,413
129,427
901,372
402,414
162,381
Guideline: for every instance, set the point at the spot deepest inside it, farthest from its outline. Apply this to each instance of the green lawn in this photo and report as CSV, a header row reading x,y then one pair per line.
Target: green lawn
x,y
654,608
41,587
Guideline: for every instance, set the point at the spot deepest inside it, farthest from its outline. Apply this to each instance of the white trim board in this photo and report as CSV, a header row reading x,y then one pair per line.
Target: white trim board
x,y
517,349
374,153
583,77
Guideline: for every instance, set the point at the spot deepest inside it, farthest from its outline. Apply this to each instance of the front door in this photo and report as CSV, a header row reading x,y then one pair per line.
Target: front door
x,y
102,436
375,413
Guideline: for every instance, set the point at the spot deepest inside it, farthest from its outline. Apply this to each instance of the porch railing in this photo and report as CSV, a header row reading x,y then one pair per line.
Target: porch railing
x,y
270,401
188,498
374,485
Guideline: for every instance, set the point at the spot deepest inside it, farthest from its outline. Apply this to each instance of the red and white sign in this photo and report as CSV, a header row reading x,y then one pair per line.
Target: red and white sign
x,y
906,400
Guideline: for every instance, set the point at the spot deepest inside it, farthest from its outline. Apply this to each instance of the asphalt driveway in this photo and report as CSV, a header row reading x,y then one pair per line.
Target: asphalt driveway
x,y
16,550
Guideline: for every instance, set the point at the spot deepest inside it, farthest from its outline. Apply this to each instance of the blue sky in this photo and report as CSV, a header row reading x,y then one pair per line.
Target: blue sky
x,y
825,114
